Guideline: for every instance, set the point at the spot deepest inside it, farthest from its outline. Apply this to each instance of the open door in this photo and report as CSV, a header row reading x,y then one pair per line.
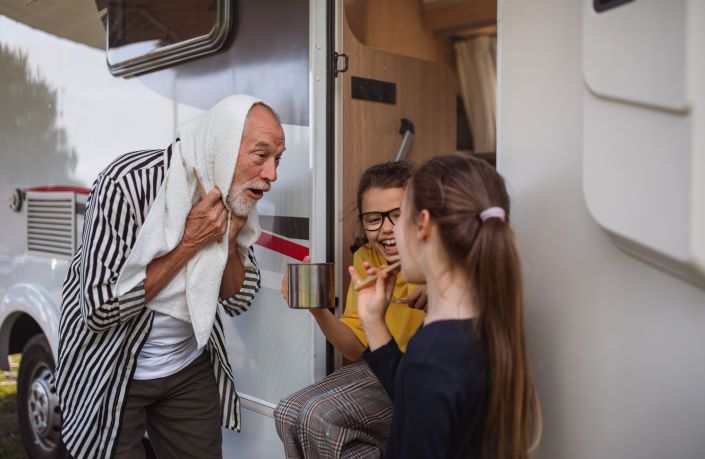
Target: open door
x,y
399,76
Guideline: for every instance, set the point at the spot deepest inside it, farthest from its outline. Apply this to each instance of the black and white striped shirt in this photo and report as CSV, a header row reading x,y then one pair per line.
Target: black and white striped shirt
x,y
101,334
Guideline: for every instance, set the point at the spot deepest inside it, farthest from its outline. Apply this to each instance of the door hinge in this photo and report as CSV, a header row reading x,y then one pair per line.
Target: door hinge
x,y
337,57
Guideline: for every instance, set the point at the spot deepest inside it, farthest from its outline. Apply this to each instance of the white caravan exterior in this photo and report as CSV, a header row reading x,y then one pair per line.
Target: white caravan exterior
x,y
601,137
616,343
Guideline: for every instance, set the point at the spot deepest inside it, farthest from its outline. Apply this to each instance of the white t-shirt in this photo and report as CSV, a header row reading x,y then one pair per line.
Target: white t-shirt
x,y
170,347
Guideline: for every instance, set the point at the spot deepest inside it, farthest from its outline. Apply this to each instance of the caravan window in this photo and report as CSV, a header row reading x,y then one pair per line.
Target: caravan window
x,y
144,35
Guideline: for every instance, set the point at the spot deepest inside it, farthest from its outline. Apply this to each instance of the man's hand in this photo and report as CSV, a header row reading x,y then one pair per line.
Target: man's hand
x,y
206,222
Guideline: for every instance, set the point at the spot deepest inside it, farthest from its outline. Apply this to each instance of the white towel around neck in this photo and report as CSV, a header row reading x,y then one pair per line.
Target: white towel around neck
x,y
211,144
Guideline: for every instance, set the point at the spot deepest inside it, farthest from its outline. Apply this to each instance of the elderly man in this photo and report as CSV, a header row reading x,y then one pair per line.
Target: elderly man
x,y
141,341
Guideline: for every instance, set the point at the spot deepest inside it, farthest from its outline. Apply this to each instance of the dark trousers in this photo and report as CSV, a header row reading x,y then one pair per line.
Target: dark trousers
x,y
180,413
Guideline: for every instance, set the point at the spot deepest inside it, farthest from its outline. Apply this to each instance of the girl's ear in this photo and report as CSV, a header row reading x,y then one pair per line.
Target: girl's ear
x,y
423,225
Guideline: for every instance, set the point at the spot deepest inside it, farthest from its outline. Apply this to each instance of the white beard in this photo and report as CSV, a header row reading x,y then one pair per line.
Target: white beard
x,y
239,203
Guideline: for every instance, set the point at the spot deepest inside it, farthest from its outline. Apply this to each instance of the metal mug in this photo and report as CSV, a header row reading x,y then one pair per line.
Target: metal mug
x,y
311,285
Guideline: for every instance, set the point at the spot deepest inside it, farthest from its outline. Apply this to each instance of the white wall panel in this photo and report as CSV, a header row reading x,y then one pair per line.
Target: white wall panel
x,y
615,344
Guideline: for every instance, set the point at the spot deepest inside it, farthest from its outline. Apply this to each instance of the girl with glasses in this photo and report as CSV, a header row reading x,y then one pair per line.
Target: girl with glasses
x,y
348,414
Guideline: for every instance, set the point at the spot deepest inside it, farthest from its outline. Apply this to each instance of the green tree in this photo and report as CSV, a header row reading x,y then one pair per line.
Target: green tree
x,y
34,150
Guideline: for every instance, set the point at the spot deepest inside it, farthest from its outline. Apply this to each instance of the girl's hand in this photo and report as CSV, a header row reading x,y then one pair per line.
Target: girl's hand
x,y
373,300
285,281
418,299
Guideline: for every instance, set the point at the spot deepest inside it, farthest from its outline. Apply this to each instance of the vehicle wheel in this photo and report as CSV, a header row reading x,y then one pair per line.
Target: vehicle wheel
x,y
38,402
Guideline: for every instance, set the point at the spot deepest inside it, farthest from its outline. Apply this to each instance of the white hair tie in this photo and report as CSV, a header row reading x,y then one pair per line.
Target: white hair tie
x,y
492,212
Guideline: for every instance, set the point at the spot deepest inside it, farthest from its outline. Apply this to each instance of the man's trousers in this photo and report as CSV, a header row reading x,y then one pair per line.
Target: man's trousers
x,y
180,413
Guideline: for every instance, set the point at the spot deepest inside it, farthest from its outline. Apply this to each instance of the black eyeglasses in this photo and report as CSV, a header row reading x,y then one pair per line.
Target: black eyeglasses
x,y
372,221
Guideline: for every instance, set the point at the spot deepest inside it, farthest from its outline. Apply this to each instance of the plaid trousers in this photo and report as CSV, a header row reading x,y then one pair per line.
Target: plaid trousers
x,y
346,415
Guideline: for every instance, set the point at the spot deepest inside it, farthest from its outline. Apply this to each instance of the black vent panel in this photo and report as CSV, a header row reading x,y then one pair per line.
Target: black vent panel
x,y
51,223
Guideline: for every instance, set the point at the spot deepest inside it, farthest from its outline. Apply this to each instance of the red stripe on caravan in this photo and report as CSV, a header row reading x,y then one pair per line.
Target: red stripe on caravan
x,y
288,248
63,188
268,240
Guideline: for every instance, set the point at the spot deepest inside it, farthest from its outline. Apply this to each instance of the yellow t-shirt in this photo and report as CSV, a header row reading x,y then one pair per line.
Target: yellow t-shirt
x,y
401,320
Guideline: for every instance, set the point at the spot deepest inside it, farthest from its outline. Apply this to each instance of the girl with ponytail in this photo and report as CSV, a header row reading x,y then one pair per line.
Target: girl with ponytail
x,y
463,388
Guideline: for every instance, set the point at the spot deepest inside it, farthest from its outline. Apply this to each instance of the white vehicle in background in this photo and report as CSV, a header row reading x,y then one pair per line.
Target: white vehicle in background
x,y
600,134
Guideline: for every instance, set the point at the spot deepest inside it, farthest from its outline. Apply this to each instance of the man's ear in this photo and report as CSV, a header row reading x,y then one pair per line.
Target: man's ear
x,y
423,225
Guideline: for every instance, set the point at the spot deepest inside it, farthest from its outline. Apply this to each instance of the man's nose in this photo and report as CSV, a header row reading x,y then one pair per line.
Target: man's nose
x,y
269,170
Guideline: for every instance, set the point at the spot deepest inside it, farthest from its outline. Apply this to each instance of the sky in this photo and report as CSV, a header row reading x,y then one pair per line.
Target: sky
x,y
102,115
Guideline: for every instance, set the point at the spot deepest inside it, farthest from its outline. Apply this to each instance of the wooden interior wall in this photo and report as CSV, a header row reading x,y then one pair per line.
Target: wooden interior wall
x,y
448,17
397,26
426,94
